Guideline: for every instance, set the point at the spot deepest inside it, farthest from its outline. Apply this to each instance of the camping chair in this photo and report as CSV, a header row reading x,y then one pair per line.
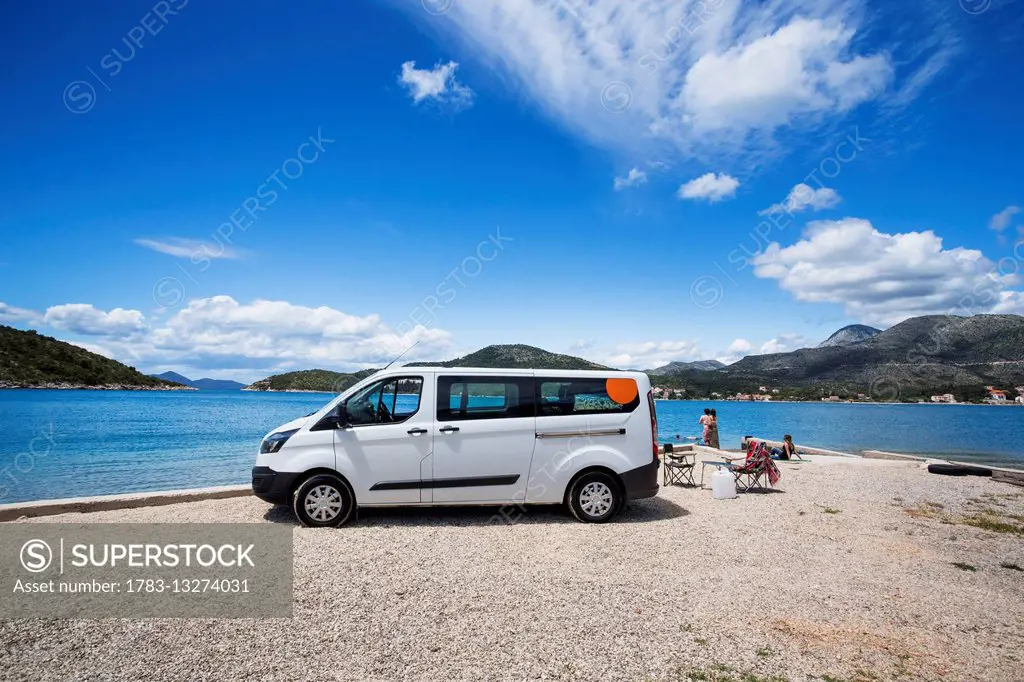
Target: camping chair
x,y
679,467
742,459
757,469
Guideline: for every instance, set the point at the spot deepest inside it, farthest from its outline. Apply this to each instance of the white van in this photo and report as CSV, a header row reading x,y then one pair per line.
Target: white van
x,y
432,436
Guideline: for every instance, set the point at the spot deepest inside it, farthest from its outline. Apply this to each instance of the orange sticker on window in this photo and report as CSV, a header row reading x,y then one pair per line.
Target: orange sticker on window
x,y
622,391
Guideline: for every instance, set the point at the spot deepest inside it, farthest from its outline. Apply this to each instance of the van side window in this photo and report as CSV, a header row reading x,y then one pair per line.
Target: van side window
x,y
557,397
391,401
484,397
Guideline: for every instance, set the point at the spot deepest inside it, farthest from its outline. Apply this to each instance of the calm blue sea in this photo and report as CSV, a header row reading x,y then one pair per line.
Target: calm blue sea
x,y
73,443
988,433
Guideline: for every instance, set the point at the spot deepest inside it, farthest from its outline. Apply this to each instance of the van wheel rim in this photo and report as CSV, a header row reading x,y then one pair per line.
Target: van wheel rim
x,y
596,499
323,503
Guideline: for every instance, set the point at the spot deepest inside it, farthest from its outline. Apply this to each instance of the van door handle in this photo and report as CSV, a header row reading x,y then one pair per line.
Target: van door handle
x,y
449,429
416,432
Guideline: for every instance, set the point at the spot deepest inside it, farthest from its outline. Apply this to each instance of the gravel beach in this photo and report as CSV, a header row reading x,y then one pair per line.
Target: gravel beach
x,y
856,570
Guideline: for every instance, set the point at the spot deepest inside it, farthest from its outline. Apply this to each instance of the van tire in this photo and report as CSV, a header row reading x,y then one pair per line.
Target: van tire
x,y
595,497
338,503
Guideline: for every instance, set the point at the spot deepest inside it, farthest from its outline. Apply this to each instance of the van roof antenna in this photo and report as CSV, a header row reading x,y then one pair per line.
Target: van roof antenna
x,y
399,356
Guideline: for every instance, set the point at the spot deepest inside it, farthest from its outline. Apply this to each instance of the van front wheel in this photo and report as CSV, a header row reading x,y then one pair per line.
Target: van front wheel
x,y
594,497
322,501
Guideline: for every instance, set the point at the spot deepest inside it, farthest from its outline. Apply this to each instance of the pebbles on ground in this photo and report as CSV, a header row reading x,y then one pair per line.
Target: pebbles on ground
x,y
847,571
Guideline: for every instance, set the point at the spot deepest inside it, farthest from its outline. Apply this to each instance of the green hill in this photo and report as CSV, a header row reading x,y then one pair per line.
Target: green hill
x,y
516,356
319,380
29,359
510,356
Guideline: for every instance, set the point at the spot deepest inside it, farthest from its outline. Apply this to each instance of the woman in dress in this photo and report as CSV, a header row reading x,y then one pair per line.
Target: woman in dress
x,y
712,438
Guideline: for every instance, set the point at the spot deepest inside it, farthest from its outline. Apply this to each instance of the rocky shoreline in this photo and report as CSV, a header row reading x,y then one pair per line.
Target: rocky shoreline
x,y
250,389
64,386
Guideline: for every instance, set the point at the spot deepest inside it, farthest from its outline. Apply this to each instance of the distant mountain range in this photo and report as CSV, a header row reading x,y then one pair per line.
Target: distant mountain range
x,y
930,354
934,351
854,333
30,360
674,368
201,384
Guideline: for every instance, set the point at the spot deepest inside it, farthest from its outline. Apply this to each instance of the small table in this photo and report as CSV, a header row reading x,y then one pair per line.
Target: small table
x,y
713,463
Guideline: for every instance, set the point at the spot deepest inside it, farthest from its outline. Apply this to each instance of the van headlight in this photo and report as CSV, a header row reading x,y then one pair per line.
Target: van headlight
x,y
274,441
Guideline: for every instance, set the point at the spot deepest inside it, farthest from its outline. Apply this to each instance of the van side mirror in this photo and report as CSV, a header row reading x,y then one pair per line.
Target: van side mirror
x,y
335,419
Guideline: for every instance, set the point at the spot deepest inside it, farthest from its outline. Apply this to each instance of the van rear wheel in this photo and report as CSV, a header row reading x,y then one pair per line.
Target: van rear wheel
x,y
594,497
323,501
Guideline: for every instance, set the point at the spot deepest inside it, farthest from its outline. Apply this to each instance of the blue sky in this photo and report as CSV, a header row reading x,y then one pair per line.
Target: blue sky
x,y
241,189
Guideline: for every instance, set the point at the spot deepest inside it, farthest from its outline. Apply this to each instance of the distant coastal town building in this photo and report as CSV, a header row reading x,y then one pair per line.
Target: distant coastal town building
x,y
762,397
832,399
996,396
669,393
944,398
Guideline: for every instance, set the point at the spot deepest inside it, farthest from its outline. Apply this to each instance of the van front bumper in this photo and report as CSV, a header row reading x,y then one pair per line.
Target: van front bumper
x,y
273,486
641,482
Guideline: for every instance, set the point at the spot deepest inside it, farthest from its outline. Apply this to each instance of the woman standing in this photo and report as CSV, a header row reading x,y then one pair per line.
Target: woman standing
x,y
705,421
712,438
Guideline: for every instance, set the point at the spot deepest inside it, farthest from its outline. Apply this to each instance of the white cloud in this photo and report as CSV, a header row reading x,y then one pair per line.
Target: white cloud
x,y
1009,303
96,348
286,333
257,338
83,318
438,84
739,346
650,354
785,343
882,278
803,68
736,350
633,178
581,345
188,248
803,197
223,314
9,313
699,76
710,186
1000,221
244,340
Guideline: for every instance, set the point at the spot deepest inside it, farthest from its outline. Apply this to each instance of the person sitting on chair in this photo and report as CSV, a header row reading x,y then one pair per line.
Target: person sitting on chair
x,y
787,451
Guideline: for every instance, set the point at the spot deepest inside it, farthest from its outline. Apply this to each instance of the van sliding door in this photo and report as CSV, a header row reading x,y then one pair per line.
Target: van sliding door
x,y
484,438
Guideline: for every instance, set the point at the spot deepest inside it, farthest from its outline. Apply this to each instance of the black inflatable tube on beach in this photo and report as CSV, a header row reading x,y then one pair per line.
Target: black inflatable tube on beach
x,y
958,470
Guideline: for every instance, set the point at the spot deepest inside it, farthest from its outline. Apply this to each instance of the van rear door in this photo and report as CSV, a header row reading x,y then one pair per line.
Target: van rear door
x,y
484,438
